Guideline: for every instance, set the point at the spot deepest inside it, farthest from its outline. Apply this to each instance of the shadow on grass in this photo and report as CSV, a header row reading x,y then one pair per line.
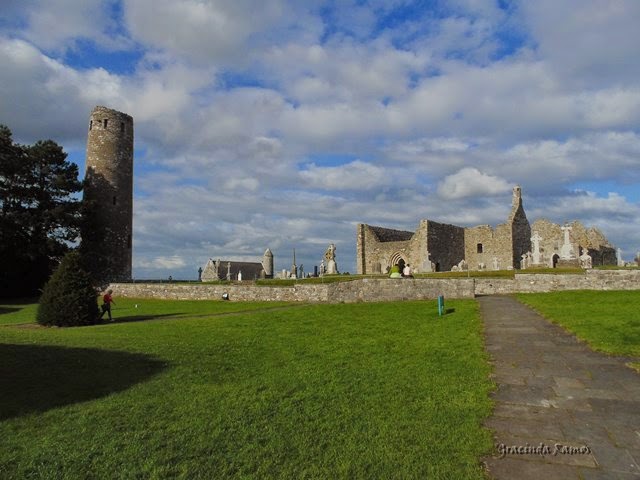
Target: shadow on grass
x,y
141,318
4,310
37,378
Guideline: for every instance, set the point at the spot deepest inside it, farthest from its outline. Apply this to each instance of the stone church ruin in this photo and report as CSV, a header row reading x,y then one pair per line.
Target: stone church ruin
x,y
515,244
231,270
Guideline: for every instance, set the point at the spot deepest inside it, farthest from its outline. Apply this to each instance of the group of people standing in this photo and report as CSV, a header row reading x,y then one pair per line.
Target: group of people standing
x,y
398,271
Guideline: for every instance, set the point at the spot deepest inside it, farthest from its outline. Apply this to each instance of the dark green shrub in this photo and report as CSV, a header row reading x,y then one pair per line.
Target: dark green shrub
x,y
68,298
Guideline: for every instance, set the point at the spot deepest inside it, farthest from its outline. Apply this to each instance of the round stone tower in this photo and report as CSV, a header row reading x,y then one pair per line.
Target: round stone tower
x,y
267,263
109,190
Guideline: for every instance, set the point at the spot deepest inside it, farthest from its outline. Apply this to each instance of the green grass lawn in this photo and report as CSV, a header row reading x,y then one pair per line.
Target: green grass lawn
x,y
131,309
607,321
554,271
241,390
18,311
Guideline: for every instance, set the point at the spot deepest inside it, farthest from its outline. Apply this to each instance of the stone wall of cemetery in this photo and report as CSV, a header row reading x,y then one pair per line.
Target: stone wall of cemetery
x,y
361,290
385,289
539,283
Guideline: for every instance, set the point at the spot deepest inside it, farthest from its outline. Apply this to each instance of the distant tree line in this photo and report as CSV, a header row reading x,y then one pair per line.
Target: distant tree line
x,y
40,215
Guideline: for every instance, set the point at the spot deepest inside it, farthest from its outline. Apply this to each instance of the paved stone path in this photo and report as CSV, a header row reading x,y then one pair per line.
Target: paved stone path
x,y
553,390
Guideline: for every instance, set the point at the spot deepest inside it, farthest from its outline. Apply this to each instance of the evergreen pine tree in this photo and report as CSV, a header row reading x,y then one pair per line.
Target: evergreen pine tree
x,y
39,216
69,298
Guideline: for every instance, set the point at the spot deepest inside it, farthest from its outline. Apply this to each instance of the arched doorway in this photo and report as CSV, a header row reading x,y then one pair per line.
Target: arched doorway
x,y
401,264
397,259
554,260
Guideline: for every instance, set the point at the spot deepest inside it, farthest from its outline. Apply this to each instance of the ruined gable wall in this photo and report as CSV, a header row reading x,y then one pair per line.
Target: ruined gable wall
x,y
373,256
495,244
520,228
418,257
361,244
445,244
506,243
521,236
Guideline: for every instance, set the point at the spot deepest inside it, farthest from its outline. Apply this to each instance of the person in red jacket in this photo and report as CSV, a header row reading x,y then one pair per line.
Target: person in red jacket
x,y
107,300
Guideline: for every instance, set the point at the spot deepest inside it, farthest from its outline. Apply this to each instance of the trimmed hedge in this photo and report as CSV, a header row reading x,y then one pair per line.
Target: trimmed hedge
x,y
69,298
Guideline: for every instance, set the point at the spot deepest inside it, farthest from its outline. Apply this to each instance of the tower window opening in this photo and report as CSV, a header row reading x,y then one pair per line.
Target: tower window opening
x,y
122,127
105,122
114,200
480,248
129,241
90,124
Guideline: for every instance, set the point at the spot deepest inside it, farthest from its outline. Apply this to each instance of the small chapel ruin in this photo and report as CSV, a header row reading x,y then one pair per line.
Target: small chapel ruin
x,y
216,270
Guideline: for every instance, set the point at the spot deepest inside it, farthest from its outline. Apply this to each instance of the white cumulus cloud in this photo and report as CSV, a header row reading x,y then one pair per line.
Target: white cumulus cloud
x,y
356,175
471,182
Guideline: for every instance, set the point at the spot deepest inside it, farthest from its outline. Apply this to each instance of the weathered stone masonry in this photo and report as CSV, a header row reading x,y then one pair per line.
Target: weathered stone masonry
x,y
440,247
365,290
542,283
109,176
383,289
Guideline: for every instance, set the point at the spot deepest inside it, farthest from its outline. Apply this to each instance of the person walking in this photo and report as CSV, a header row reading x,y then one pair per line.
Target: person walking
x,y
107,300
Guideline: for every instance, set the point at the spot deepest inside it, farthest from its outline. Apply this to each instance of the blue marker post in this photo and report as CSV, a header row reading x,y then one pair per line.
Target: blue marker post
x,y
440,305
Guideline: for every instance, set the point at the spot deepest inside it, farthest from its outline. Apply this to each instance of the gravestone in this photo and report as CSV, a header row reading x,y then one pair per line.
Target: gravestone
x,y
585,259
428,266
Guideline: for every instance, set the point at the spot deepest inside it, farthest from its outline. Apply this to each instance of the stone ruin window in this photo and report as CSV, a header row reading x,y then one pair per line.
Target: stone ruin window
x,y
90,124
129,241
105,122
480,248
121,127
114,200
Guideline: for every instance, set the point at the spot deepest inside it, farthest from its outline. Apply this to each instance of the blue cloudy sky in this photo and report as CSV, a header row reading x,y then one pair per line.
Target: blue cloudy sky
x,y
283,123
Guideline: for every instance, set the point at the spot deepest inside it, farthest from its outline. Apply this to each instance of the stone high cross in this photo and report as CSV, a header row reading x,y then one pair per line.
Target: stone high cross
x,y
566,251
536,239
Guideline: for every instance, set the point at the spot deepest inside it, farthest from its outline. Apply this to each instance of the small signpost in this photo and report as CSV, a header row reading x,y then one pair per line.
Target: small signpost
x,y
440,305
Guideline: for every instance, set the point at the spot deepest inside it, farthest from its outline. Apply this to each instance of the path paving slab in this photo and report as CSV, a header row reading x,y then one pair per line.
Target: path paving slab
x,y
553,391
